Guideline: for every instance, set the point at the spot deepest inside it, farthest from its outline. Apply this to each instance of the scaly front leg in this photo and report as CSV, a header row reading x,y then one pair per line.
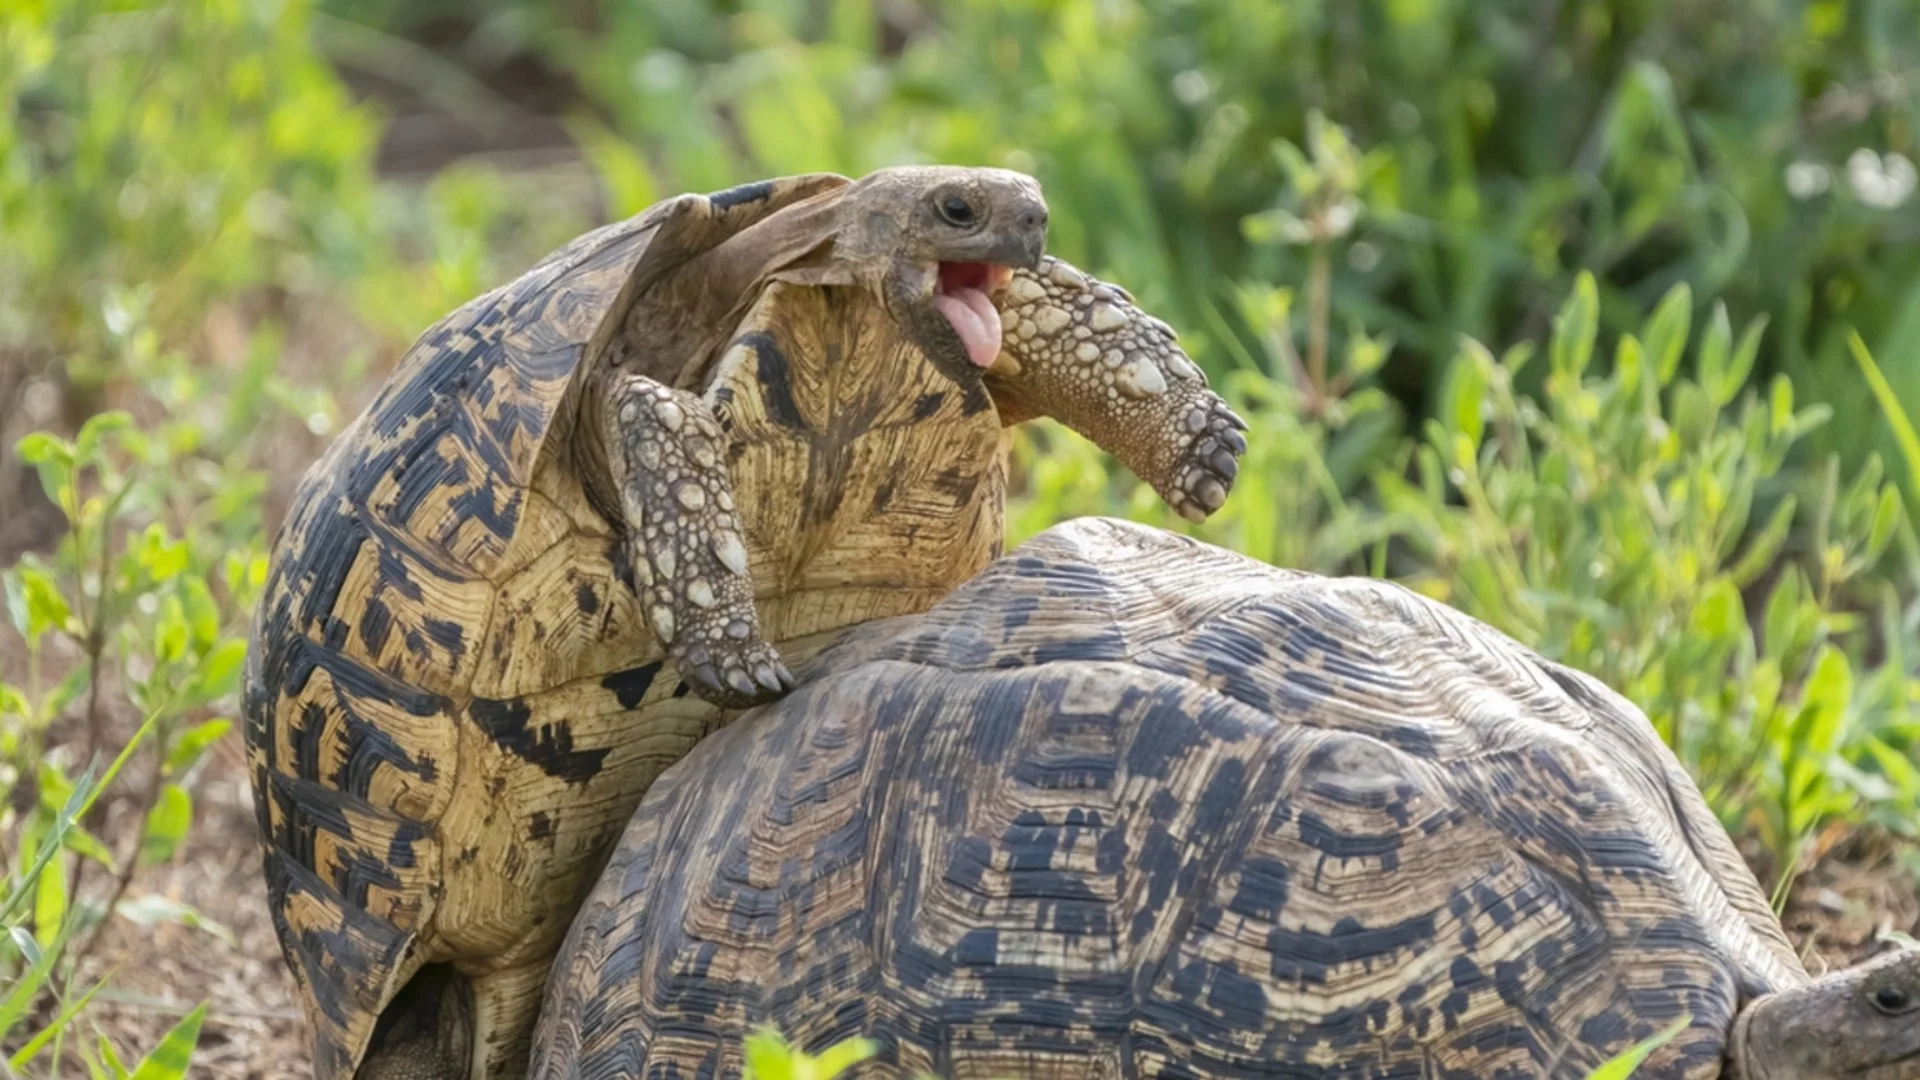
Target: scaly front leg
x,y
1078,350
683,541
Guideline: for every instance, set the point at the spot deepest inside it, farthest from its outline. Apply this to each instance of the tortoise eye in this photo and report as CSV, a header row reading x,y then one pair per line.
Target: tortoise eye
x,y
956,210
1892,999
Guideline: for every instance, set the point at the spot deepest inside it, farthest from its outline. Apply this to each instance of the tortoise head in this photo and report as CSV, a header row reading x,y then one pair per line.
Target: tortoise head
x,y
933,244
1862,1023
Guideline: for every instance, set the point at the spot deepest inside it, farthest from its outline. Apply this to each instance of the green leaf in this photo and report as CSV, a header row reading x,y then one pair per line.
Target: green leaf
x,y
27,987
50,846
86,845
1783,611
93,434
1890,407
152,910
1715,348
1766,544
167,824
52,460
1466,391
193,742
13,702
111,1058
16,597
170,1059
46,608
1575,327
1720,614
1744,355
162,557
1829,691
220,673
1780,401
50,903
54,1027
1622,1067
22,939
203,615
842,1056
170,631
767,1056
1886,518
1665,333
44,446
113,770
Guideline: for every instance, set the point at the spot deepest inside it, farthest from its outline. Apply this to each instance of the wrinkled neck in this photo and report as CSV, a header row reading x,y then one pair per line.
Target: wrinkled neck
x,y
1737,1060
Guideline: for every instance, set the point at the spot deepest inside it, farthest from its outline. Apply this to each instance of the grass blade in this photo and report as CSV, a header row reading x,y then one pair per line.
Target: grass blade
x,y
169,1060
1890,405
58,1025
1623,1066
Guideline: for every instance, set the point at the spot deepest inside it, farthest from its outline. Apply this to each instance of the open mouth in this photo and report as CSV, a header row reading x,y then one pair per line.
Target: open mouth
x,y
964,294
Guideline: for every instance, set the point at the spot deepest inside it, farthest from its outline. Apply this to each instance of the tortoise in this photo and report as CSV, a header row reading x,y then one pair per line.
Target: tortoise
x,y
1127,804
593,514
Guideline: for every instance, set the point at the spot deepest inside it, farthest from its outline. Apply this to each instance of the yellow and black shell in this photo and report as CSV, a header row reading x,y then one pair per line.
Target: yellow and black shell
x,y
1129,805
445,665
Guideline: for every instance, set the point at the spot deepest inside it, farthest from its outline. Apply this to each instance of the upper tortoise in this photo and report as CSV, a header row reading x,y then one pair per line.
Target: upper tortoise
x,y
562,543
1129,805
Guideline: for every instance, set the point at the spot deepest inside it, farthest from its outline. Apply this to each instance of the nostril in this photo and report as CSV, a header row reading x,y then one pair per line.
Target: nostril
x,y
1034,217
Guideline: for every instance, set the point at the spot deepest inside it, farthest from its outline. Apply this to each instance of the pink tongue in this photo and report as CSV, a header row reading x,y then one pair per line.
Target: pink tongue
x,y
977,322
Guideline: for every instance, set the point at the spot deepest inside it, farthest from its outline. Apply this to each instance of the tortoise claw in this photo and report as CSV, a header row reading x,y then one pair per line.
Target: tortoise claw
x,y
705,678
774,677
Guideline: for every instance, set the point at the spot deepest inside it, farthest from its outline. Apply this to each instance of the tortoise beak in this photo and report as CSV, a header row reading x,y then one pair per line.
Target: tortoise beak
x,y
1022,241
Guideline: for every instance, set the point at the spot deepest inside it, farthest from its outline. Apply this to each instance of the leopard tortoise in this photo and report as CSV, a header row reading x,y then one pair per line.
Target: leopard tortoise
x,y
1130,805
565,539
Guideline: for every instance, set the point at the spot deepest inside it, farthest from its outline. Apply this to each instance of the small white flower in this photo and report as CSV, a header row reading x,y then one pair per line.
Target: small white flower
x,y
1881,182
1806,179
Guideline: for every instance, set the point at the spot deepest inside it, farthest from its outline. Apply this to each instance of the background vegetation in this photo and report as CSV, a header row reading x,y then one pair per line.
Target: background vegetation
x,y
1564,311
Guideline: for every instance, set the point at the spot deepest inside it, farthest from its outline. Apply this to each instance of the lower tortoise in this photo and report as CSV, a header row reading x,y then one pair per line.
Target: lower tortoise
x,y
1129,805
597,511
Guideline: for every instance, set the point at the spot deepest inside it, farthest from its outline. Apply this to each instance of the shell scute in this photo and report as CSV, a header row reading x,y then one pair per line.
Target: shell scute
x,y
1161,855
562,616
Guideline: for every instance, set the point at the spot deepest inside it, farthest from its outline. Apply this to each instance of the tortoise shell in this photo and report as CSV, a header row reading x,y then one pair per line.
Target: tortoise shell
x,y
453,702
1127,804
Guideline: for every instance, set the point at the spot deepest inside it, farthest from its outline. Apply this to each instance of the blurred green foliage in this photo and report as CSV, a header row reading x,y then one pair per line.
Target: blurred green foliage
x,y
144,601
1759,150
1669,217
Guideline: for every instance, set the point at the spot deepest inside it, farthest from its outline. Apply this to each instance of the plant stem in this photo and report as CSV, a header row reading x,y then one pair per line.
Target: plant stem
x,y
1318,288
128,867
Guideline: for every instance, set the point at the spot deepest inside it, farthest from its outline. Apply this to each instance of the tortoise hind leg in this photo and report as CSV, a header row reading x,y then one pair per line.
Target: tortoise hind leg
x,y
689,562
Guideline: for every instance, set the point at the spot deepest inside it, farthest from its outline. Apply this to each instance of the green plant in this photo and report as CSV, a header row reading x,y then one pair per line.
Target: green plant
x,y
140,608
771,1057
1612,524
1761,153
157,159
